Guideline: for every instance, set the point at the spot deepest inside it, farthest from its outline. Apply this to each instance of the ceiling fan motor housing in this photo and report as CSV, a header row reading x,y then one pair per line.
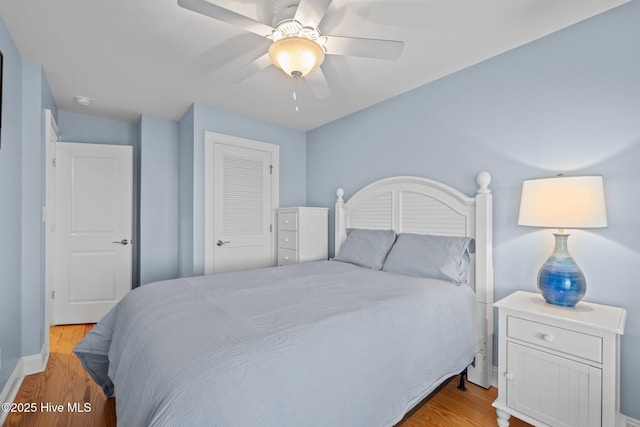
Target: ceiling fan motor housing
x,y
283,13
296,49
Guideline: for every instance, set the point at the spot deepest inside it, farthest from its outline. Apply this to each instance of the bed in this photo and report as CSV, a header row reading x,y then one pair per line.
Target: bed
x,y
335,342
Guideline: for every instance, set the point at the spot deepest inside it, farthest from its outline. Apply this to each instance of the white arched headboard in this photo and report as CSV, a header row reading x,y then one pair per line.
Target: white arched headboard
x,y
418,205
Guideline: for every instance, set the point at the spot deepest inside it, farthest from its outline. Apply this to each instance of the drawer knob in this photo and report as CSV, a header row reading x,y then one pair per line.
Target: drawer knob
x,y
286,240
286,258
508,376
286,221
548,338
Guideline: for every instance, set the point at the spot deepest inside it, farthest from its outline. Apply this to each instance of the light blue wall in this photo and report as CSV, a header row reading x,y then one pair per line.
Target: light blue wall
x,y
10,206
292,170
36,96
159,213
567,103
33,185
185,200
74,127
22,191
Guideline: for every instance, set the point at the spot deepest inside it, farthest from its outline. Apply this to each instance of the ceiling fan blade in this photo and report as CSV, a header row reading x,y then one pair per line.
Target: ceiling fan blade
x,y
311,12
249,69
221,14
404,13
366,48
319,85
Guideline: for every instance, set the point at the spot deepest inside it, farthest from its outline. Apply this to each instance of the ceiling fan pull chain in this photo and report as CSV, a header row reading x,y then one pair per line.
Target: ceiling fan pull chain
x,y
295,95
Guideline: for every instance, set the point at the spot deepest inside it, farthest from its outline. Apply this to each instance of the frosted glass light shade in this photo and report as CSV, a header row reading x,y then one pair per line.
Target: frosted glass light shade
x,y
296,56
563,202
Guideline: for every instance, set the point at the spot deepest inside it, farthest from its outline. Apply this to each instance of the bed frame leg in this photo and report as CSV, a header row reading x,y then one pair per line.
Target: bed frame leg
x,y
461,385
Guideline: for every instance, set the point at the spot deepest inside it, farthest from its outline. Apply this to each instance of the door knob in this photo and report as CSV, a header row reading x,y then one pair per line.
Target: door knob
x,y
123,242
220,242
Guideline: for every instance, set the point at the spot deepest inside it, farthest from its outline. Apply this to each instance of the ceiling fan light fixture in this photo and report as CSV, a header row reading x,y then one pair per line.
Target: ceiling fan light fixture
x,y
296,56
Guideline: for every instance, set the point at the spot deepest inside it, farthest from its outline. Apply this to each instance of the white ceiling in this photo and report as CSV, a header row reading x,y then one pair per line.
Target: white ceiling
x,y
153,57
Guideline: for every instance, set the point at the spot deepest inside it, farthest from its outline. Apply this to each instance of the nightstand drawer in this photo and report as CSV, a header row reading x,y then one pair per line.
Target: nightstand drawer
x,y
577,344
288,239
288,221
287,256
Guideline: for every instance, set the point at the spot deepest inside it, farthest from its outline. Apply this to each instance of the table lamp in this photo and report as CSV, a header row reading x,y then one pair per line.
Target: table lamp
x,y
562,202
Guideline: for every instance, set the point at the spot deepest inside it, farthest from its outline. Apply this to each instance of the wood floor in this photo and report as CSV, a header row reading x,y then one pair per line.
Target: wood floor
x,y
65,382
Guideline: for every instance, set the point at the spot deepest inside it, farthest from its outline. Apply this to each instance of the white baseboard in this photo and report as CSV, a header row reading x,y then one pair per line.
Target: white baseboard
x,y
12,387
27,365
37,362
630,422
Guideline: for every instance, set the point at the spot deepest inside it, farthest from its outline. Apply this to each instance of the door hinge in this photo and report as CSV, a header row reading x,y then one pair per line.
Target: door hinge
x,y
270,169
270,228
53,294
53,161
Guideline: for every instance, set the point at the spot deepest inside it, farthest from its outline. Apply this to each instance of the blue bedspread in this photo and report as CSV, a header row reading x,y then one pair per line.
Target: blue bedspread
x,y
314,344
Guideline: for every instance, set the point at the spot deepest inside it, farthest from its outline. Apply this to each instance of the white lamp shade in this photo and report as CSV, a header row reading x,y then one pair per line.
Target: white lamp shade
x,y
563,202
296,55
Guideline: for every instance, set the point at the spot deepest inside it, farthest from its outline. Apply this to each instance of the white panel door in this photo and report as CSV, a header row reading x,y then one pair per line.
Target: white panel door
x,y
93,230
240,213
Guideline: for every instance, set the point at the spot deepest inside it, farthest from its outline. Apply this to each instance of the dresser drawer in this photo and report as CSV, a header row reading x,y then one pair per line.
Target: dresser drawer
x,y
574,343
288,239
287,256
288,221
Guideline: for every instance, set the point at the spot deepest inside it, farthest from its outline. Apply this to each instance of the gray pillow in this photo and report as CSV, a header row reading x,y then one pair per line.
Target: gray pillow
x,y
366,248
437,257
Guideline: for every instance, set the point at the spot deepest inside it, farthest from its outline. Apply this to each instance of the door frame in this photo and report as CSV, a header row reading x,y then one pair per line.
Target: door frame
x,y
51,137
210,141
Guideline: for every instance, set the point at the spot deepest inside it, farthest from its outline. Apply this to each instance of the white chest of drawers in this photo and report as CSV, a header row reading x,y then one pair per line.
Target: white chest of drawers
x,y
558,366
302,235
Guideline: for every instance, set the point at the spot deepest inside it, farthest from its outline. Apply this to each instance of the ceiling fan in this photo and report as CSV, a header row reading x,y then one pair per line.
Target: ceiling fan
x,y
298,47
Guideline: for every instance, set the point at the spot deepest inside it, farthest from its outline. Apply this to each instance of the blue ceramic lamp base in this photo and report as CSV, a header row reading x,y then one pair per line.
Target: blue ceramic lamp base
x,y
560,280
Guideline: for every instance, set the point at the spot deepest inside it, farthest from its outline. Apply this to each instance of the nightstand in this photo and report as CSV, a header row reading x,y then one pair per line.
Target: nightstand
x,y
558,366
302,235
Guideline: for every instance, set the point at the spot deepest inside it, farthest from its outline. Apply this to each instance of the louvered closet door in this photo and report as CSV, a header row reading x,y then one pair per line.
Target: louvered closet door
x,y
242,209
